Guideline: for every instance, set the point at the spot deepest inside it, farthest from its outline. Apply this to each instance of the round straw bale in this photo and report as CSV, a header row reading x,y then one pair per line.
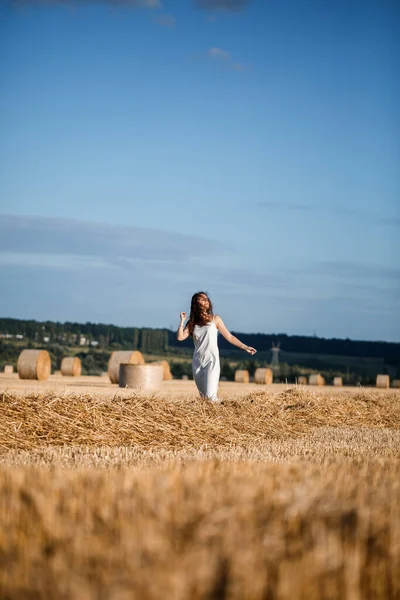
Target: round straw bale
x,y
396,383
316,379
242,376
144,377
382,381
128,357
337,381
8,369
302,380
71,366
166,368
264,376
34,364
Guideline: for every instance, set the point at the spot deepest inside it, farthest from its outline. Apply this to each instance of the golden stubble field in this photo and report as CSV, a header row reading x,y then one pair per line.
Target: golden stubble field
x,y
278,493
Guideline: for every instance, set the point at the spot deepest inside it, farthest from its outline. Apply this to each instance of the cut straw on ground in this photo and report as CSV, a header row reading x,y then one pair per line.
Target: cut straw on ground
x,y
292,496
153,422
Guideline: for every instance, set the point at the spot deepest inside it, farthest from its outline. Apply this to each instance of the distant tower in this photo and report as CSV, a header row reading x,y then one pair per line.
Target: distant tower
x,y
274,365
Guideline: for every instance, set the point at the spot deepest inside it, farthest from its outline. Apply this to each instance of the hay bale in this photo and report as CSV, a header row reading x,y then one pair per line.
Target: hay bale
x,y
382,381
316,379
337,381
302,380
144,377
396,383
71,366
166,368
242,376
34,364
128,357
8,369
264,376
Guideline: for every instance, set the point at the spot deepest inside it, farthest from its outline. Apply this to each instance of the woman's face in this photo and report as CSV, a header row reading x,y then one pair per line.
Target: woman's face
x,y
204,302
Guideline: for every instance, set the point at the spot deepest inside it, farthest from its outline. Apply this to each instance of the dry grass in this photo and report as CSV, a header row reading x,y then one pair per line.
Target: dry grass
x,y
203,530
323,445
294,496
152,422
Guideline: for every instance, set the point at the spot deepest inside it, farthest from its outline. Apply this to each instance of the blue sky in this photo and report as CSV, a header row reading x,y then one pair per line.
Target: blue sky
x,y
250,149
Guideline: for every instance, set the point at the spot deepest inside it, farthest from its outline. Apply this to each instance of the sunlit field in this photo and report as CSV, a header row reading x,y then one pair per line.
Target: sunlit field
x,y
276,493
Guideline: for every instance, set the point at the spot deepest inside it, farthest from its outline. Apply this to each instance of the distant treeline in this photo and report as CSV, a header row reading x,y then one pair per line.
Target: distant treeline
x,y
105,336
163,340
388,351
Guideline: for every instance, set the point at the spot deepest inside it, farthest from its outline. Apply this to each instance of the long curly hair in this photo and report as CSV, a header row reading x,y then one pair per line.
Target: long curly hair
x,y
199,315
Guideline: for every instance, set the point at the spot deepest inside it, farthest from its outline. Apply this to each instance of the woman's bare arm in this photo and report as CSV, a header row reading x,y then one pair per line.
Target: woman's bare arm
x,y
231,338
183,332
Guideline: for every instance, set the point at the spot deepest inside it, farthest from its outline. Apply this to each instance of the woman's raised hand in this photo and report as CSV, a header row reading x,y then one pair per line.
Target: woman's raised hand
x,y
250,350
183,316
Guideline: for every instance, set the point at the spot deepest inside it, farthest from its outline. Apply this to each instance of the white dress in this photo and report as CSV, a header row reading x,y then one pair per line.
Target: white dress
x,y
206,368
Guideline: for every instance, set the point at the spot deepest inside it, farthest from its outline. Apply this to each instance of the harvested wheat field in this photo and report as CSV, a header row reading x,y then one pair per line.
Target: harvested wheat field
x,y
277,493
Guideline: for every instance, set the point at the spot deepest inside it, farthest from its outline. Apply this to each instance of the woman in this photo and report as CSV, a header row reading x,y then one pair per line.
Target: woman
x,y
203,325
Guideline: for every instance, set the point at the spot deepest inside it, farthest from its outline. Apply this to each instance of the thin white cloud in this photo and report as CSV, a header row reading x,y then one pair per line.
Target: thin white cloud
x,y
78,3
153,294
218,53
71,269
273,205
225,59
355,272
228,5
335,211
238,66
113,244
165,20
